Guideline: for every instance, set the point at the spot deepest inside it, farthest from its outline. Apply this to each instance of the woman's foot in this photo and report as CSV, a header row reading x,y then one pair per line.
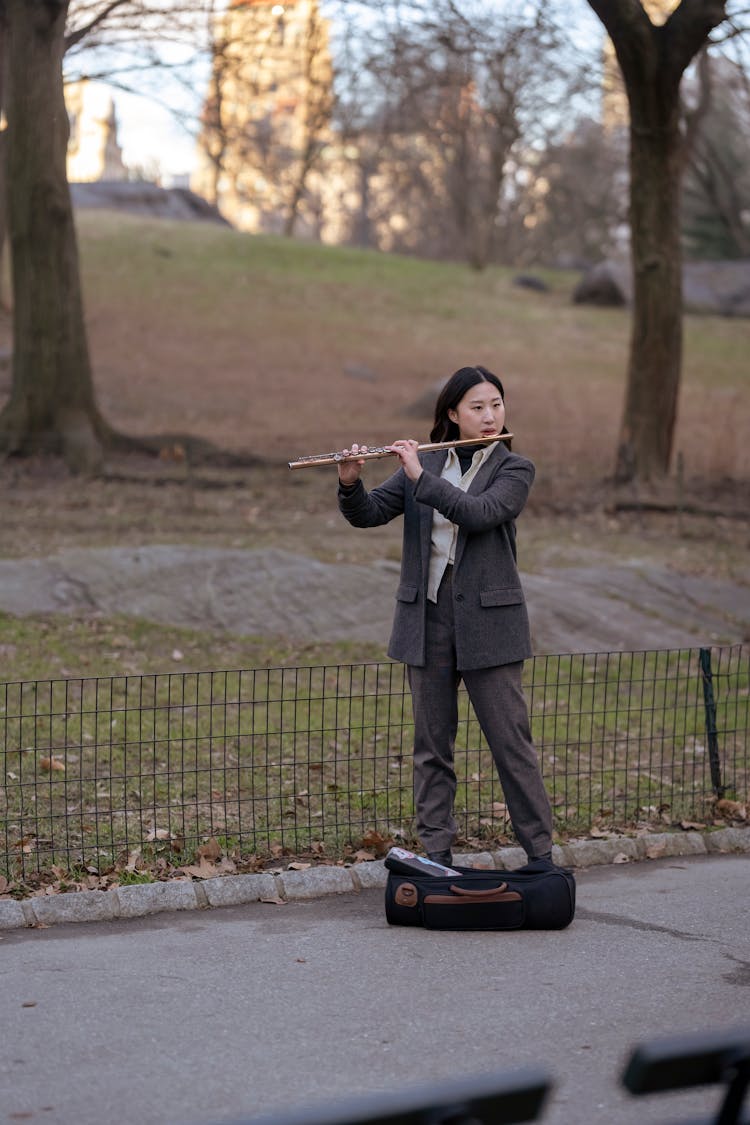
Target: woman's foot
x,y
542,862
446,857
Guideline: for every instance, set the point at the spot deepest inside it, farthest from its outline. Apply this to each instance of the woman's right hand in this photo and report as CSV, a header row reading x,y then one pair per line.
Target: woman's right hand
x,y
349,471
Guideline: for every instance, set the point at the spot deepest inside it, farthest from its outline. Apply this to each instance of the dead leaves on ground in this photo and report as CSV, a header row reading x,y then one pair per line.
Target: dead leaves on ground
x,y
52,764
159,857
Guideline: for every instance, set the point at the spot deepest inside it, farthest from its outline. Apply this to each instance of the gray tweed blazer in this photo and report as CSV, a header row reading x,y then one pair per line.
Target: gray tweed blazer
x,y
492,625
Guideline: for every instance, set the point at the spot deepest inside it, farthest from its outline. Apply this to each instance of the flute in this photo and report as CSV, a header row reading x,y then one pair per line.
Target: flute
x,y
386,451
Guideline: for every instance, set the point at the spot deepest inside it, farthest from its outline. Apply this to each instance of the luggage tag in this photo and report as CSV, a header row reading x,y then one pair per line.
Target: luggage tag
x,y
404,862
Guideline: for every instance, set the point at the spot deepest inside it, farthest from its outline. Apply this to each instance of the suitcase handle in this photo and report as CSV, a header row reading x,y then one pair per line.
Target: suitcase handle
x,y
461,896
491,893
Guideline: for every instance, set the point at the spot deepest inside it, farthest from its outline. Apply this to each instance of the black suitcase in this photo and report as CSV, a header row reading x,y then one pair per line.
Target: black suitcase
x,y
476,899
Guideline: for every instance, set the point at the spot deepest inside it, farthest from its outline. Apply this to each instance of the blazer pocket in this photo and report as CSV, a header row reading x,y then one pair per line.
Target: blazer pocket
x,y
407,593
503,595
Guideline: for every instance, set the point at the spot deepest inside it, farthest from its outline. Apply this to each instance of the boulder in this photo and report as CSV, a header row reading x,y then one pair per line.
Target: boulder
x,y
141,198
607,285
718,288
530,281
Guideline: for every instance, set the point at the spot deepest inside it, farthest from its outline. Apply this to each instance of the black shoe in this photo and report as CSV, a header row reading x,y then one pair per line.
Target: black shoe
x,y
446,857
540,863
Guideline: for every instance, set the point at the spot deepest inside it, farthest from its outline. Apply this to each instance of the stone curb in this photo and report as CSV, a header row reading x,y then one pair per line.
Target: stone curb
x,y
287,886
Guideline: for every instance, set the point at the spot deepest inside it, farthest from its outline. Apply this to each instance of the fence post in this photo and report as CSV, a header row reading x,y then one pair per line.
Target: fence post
x,y
710,708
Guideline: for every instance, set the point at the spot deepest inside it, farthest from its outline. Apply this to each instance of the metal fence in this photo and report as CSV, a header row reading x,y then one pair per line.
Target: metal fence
x,y
300,758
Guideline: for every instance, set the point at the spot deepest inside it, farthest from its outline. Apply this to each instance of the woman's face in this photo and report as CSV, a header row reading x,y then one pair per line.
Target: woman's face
x,y
480,412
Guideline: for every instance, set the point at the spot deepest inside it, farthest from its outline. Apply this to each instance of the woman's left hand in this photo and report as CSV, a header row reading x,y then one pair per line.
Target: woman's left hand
x,y
406,449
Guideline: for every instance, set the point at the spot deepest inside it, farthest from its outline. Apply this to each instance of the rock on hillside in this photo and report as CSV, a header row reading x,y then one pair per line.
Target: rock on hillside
x,y
142,198
588,608
721,288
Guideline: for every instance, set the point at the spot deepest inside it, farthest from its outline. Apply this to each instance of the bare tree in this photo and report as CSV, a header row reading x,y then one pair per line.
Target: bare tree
x,y
653,60
52,406
569,209
716,204
457,90
3,159
268,112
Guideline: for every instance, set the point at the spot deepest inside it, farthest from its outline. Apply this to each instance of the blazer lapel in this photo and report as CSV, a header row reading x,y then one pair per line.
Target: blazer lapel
x,y
478,484
432,463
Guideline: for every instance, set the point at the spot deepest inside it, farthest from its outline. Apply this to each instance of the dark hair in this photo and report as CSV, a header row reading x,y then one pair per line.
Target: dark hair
x,y
454,390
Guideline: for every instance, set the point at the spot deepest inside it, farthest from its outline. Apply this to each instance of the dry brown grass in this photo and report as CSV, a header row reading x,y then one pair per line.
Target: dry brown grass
x,y
246,341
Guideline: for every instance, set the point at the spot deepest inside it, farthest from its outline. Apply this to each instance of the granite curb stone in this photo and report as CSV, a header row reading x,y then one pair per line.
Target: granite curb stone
x,y
366,875
11,914
316,881
151,898
728,840
80,906
231,890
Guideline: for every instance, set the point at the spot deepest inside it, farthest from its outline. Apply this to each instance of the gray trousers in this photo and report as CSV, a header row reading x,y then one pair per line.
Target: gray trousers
x,y
499,704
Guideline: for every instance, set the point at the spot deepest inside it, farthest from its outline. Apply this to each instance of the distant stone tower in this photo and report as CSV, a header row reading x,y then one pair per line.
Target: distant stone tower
x,y
267,113
614,98
93,149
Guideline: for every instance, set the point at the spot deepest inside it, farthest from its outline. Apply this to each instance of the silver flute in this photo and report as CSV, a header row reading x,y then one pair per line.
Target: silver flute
x,y
386,451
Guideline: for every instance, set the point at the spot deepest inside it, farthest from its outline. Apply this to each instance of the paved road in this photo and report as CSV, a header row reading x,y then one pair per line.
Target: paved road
x,y
201,1017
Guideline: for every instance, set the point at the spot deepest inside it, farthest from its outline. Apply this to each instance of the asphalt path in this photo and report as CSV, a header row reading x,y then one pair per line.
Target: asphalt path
x,y
198,1017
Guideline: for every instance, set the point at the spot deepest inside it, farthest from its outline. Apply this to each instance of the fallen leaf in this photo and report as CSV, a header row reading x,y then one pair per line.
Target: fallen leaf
x,y
299,866
210,850
621,857
51,764
158,834
274,901
176,654
376,841
202,870
687,824
731,808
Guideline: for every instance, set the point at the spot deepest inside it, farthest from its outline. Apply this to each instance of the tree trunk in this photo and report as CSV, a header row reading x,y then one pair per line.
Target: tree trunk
x,y
655,363
52,407
652,60
3,138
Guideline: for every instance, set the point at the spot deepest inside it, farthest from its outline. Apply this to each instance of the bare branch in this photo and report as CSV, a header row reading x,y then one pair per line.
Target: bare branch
x,y
80,33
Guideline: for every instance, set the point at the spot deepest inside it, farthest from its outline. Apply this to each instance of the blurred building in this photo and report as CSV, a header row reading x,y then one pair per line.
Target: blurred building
x,y
266,121
270,158
93,149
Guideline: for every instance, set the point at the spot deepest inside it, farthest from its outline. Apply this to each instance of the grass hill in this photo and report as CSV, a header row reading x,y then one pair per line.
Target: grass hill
x,y
284,348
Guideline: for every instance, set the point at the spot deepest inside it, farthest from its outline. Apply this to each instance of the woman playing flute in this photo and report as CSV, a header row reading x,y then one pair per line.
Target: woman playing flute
x,y
460,610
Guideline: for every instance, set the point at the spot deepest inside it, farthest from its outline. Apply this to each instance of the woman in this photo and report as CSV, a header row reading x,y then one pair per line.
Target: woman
x,y
460,610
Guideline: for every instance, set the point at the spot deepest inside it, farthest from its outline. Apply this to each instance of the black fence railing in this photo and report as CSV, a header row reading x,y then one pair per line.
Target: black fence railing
x,y
299,757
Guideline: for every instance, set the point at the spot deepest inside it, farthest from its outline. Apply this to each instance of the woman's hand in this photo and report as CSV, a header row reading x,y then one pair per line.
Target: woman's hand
x,y
408,456
349,471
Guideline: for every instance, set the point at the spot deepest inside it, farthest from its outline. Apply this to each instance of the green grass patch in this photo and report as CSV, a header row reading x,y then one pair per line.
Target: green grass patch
x,y
284,757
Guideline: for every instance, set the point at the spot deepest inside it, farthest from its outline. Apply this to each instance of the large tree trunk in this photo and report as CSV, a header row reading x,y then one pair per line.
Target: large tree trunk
x,y
3,138
653,60
52,407
655,363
